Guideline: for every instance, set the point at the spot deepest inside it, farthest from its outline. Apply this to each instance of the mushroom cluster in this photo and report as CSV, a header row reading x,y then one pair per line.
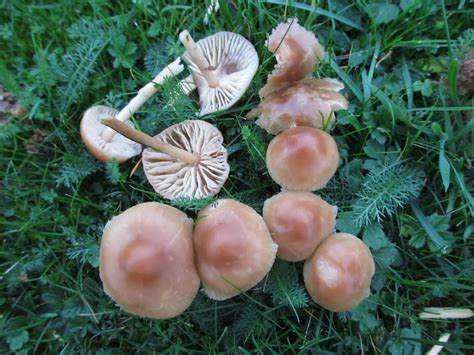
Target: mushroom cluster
x,y
187,160
303,158
152,262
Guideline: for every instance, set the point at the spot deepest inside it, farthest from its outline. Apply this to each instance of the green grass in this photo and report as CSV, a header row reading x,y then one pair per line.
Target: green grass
x,y
398,61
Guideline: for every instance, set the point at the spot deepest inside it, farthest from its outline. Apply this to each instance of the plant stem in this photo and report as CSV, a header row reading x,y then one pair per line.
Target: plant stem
x,y
144,94
198,58
142,138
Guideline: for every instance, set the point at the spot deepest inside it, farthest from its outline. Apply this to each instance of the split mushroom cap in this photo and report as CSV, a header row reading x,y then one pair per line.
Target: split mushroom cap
x,y
118,147
172,178
302,158
310,102
233,248
223,66
297,52
298,222
339,273
147,261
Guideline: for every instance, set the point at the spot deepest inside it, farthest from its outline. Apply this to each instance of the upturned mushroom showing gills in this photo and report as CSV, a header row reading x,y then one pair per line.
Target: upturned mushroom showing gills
x,y
310,102
222,65
298,222
339,273
147,261
233,248
302,159
173,178
297,52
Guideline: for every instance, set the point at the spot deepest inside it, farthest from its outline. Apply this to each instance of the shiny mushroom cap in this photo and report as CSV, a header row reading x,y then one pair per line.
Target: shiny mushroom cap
x,y
147,261
233,248
172,178
234,61
298,222
339,273
297,52
310,102
119,147
302,158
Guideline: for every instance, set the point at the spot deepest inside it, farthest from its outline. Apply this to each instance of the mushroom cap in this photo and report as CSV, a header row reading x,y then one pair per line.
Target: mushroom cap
x,y
233,248
172,178
339,273
119,147
236,62
298,222
310,102
302,158
297,52
147,261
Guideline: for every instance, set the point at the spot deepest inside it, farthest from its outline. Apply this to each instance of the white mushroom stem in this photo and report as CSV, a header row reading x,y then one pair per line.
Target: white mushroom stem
x,y
142,138
144,94
198,58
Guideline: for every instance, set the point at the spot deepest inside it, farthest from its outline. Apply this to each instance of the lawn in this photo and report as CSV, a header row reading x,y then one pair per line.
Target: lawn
x,y
404,184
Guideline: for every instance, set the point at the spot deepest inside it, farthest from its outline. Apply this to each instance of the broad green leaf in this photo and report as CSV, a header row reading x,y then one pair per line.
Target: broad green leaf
x,y
384,12
374,236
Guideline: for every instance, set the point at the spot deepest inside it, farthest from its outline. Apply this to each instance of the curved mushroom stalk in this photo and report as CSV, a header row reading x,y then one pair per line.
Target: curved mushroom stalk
x,y
172,178
222,65
140,137
144,94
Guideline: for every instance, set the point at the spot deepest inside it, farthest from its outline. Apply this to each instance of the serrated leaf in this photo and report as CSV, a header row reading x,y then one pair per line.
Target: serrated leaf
x,y
345,222
17,341
386,255
374,236
384,12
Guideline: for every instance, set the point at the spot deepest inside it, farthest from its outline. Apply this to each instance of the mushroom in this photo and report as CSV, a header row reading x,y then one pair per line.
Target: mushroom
x,y
147,261
309,102
233,248
222,65
302,158
298,222
339,273
102,142
297,52
172,178
186,160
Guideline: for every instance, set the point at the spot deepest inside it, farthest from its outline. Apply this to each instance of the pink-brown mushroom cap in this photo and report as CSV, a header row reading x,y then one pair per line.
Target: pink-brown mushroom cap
x,y
147,261
302,158
233,248
339,273
310,102
297,52
298,222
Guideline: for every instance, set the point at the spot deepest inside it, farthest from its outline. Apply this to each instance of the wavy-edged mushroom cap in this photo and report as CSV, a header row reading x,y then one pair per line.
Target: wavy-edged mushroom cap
x,y
297,52
339,273
233,248
310,102
119,147
172,178
233,60
147,261
298,223
302,158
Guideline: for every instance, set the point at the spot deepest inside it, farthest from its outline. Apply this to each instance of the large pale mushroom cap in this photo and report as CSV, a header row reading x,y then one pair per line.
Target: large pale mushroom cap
x,y
310,102
298,222
339,273
302,158
297,52
172,178
235,62
233,248
119,147
147,261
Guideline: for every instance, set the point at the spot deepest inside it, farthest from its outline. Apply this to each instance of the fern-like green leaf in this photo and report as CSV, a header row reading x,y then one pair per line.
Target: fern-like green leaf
x,y
113,171
283,286
194,205
388,186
